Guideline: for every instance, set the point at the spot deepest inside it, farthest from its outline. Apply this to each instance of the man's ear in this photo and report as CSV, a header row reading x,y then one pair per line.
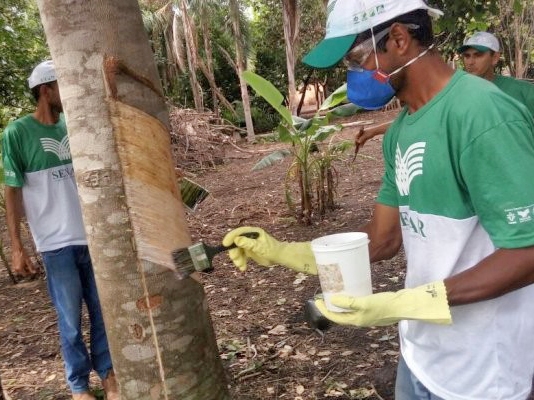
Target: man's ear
x,y
400,38
495,58
43,88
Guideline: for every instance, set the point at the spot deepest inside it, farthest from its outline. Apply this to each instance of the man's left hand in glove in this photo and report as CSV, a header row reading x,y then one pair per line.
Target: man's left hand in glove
x,y
425,303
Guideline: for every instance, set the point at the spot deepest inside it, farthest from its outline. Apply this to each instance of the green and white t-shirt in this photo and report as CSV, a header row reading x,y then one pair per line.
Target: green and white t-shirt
x,y
460,171
37,158
520,90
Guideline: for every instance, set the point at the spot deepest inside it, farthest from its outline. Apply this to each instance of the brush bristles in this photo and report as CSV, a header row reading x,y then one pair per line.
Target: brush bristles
x,y
182,260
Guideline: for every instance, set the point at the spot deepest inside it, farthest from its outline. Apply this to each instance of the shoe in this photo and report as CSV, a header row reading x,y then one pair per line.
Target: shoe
x,y
111,388
83,396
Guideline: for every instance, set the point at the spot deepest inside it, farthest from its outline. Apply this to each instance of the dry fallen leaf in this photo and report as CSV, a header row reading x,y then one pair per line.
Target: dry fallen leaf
x,y
300,278
281,301
278,330
50,378
223,313
361,393
300,356
285,351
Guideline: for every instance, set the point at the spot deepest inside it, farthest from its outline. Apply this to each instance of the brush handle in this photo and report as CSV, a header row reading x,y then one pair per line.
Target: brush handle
x,y
211,251
221,248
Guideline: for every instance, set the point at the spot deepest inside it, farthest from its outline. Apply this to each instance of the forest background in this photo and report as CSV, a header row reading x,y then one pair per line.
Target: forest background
x,y
201,49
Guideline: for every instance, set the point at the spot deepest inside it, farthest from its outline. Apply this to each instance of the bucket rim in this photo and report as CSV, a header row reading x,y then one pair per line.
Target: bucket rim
x,y
340,241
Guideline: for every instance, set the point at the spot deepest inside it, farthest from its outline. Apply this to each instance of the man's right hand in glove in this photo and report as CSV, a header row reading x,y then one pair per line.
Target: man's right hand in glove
x,y
268,251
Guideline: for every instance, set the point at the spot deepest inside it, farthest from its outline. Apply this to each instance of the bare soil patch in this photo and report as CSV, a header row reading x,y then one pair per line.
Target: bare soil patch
x,y
267,349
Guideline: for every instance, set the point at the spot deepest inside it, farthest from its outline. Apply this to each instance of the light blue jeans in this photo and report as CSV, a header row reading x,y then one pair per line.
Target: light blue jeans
x,y
70,280
408,387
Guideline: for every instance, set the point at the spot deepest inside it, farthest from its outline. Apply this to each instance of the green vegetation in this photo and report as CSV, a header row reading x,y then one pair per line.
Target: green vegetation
x,y
212,60
312,167
23,46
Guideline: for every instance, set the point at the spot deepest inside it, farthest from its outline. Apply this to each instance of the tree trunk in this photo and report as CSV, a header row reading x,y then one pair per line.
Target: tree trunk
x,y
213,85
516,28
191,47
291,20
209,59
178,41
159,330
240,64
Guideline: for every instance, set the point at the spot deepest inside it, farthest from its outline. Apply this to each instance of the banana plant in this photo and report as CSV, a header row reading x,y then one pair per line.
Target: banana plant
x,y
311,146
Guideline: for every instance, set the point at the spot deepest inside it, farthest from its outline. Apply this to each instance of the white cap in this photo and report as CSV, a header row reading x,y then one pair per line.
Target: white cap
x,y
43,73
482,41
347,18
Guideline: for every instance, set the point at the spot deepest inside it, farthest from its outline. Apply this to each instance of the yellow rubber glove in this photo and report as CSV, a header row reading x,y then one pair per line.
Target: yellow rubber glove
x,y
267,251
425,303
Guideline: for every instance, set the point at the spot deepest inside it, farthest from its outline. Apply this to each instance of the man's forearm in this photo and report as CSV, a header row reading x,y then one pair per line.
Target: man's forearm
x,y
501,272
384,233
383,248
13,197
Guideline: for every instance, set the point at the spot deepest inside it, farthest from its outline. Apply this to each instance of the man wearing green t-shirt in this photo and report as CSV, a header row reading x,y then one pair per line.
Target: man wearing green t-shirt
x,y
455,194
480,54
39,183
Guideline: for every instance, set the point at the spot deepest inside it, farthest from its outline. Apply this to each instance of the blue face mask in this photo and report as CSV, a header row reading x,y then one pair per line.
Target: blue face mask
x,y
371,89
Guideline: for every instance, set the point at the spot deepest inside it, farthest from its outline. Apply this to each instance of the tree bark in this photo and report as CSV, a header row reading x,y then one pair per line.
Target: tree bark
x,y
209,58
191,47
159,330
178,41
218,94
291,20
240,64
516,29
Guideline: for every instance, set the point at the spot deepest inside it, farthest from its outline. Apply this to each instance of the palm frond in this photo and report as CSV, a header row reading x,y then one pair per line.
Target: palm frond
x,y
271,159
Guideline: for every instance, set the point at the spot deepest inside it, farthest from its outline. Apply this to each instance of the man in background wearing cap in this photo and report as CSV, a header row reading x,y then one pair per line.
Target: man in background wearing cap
x,y
480,54
40,184
454,193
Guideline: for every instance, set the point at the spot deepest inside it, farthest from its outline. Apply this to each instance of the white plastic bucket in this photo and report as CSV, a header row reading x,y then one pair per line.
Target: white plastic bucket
x,y
343,265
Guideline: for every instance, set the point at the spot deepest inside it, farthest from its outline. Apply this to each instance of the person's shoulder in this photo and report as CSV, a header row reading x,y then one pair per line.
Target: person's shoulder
x,y
18,125
482,104
511,81
471,91
22,121
468,82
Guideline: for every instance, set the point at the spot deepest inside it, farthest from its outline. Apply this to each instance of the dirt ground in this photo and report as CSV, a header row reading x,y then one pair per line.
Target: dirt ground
x,y
267,349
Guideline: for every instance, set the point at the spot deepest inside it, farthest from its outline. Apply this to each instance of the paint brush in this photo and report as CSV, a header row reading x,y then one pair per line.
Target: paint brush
x,y
199,256
314,318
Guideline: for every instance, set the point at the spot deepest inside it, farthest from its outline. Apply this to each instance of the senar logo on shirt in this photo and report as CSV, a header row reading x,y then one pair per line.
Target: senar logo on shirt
x,y
60,149
519,215
62,172
408,166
